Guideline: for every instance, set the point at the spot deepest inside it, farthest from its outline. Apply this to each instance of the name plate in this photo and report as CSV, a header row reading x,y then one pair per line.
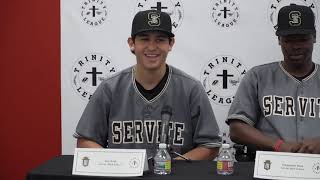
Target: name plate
x,y
109,162
284,166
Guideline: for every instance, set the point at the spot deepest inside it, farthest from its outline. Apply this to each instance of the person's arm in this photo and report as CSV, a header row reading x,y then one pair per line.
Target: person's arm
x,y
86,143
310,146
204,125
201,153
92,128
243,133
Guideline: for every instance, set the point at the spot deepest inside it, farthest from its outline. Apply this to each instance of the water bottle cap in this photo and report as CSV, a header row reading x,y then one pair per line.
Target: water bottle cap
x,y
225,145
162,145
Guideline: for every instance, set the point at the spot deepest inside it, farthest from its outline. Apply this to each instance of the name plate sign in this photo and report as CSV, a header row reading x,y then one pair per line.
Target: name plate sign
x,y
285,166
109,162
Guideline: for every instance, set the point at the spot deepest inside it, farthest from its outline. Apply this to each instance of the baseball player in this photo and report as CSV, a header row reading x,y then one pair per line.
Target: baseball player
x,y
125,110
277,105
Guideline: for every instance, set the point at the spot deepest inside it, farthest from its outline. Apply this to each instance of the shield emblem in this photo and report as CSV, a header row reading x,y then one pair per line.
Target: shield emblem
x,y
267,164
85,161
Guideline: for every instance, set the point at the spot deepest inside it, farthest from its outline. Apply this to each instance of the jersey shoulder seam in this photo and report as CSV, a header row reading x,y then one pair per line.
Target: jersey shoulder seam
x,y
178,72
122,72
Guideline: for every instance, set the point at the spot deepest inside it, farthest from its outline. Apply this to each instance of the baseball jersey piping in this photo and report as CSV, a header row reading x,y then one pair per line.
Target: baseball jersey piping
x,y
211,145
240,117
305,79
161,92
313,73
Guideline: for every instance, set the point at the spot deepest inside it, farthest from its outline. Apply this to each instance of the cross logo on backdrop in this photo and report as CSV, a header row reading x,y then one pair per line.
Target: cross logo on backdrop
x,y
221,77
225,10
159,7
89,71
173,7
94,74
225,76
94,13
224,13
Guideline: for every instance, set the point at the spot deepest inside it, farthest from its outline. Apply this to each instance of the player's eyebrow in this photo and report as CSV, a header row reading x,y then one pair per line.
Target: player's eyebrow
x,y
161,35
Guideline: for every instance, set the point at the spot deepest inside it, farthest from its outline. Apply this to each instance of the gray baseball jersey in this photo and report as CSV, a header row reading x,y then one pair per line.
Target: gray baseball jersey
x,y
278,104
118,116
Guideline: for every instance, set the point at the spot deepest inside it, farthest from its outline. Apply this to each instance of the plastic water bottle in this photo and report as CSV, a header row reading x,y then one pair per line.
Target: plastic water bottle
x,y
225,161
162,160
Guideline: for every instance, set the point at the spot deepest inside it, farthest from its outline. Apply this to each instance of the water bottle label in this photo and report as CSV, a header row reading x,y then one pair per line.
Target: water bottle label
x,y
164,165
225,165
167,165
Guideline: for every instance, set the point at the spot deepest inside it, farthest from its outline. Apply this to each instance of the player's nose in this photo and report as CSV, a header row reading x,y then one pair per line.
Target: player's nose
x,y
152,45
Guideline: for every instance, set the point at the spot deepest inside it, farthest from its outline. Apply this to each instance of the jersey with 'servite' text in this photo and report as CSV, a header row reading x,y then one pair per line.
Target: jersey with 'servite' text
x,y
119,116
278,104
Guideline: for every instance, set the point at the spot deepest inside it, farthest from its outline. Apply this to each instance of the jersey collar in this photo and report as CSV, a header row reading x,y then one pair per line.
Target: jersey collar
x,y
156,97
295,79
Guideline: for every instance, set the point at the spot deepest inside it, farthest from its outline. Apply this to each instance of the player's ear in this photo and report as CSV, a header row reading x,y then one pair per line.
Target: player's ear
x,y
171,43
131,44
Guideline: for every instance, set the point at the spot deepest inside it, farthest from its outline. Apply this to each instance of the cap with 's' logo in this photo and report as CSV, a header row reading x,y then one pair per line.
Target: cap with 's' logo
x,y
151,20
295,19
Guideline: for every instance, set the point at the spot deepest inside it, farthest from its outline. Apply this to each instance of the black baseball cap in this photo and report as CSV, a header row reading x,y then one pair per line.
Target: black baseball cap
x,y
295,19
151,20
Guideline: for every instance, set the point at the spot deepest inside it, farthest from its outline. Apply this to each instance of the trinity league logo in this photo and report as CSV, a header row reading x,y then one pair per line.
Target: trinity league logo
x,y
94,12
225,13
172,7
89,71
316,168
276,5
221,77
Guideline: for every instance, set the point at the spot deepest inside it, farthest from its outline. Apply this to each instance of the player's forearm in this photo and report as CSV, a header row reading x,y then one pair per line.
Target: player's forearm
x,y
201,153
310,146
243,133
85,143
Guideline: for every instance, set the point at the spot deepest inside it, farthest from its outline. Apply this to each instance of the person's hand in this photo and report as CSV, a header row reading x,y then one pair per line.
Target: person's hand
x,y
290,146
311,146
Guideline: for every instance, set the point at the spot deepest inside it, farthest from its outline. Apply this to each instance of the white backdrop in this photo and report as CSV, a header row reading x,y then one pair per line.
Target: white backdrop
x,y
212,37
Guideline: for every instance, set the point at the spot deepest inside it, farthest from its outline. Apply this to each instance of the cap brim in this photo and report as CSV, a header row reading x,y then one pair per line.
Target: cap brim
x,y
154,29
296,31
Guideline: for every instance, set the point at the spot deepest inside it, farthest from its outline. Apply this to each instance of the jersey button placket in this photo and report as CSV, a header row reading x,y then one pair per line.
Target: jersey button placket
x,y
300,119
147,112
300,95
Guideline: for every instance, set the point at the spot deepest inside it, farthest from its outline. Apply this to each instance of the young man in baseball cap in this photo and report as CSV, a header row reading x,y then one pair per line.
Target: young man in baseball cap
x,y
126,109
277,105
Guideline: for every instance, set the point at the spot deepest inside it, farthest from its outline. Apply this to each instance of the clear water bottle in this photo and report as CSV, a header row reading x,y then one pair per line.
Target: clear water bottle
x,y
162,161
225,160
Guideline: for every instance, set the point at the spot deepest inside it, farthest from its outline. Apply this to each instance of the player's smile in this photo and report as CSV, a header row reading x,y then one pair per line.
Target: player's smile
x,y
151,56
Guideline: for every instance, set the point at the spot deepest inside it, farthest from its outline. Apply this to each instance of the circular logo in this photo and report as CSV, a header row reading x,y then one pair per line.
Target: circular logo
x,y
94,13
276,5
134,163
221,77
316,168
225,13
172,7
89,71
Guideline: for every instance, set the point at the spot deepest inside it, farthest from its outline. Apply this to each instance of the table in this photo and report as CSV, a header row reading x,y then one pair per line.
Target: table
x,y
60,168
